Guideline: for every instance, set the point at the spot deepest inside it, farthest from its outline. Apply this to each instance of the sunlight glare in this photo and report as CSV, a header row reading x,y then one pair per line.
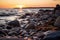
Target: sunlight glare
x,y
20,6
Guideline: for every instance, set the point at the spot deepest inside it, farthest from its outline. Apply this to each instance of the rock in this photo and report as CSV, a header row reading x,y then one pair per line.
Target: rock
x,y
53,36
57,22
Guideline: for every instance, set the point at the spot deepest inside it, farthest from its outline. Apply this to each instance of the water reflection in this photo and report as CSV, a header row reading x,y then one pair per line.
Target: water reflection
x,y
18,13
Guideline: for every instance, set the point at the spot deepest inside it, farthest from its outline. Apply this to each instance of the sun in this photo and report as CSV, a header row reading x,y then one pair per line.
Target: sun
x,y
19,6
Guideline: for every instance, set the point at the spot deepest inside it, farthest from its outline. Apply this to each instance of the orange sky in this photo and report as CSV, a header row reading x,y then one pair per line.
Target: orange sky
x,y
28,3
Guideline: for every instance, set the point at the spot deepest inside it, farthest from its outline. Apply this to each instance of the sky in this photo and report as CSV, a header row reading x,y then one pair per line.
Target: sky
x,y
28,3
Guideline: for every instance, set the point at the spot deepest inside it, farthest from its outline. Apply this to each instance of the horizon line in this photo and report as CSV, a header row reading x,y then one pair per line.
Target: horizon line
x,y
31,7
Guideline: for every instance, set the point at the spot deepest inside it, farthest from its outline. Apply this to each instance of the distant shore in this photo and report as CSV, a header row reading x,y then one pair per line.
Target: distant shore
x,y
34,7
28,8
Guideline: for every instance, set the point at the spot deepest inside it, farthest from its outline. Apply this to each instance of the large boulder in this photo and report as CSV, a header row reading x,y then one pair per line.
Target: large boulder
x,y
53,36
14,23
57,22
57,11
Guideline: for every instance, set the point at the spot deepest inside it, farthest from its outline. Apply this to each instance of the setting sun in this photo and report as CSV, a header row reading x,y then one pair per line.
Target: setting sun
x,y
20,6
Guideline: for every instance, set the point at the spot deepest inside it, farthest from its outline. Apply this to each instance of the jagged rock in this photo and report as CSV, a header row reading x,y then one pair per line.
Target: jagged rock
x,y
57,22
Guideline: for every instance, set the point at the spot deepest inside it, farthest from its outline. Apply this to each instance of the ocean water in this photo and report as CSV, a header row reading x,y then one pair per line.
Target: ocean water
x,y
19,12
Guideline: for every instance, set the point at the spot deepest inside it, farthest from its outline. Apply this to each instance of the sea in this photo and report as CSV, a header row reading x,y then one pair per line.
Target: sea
x,y
16,12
